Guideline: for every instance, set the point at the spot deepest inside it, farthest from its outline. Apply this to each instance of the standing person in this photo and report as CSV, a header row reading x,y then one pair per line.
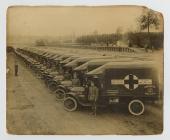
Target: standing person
x,y
93,97
16,68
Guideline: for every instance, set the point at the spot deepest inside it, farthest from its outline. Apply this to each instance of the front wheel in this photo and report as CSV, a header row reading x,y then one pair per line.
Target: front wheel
x,y
70,104
60,94
136,107
52,86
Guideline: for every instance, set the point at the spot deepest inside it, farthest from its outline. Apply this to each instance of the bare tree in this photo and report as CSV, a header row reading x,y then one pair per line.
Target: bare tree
x,y
148,19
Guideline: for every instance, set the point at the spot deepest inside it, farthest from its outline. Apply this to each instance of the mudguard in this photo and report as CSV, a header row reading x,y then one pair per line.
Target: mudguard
x,y
72,94
62,87
79,101
53,81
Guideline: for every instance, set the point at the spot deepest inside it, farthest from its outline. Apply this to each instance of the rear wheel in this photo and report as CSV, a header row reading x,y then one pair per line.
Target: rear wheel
x,y
60,94
70,104
136,107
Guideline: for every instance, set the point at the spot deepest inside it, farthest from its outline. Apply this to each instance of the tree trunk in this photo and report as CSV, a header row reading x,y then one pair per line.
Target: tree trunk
x,y
148,33
148,29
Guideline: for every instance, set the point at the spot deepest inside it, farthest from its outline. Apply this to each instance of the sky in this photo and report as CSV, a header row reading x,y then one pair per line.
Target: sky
x,y
61,21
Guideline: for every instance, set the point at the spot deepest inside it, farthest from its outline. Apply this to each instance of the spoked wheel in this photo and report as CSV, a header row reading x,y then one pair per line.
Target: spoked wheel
x,y
70,104
136,107
52,87
60,94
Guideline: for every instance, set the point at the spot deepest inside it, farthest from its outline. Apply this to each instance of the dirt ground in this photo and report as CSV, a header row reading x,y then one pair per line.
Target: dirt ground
x,y
32,109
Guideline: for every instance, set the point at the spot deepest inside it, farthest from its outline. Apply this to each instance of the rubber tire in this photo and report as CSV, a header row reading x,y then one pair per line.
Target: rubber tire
x,y
50,87
130,109
59,92
73,101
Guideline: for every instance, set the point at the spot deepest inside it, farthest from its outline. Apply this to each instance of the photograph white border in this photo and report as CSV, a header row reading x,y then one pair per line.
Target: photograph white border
x,y
158,5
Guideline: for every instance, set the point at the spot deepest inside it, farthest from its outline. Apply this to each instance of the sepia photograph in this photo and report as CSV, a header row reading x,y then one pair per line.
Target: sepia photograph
x,y
84,70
